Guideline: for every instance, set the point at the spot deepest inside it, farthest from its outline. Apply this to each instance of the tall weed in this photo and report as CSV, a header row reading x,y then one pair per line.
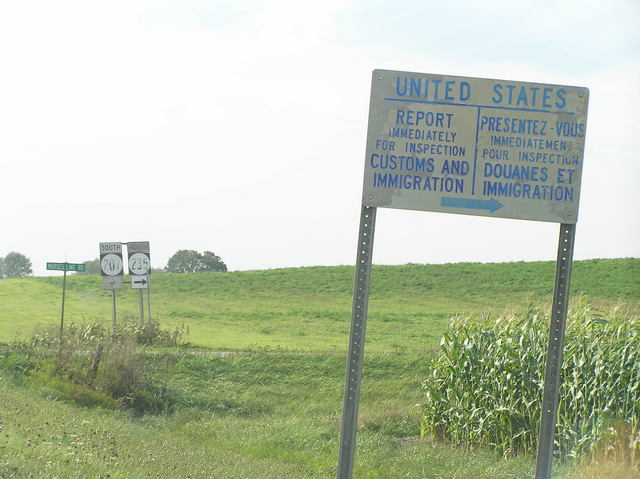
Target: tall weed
x,y
94,367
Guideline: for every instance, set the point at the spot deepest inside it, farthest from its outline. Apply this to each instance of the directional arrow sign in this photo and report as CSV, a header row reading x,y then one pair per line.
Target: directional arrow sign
x,y
139,282
470,203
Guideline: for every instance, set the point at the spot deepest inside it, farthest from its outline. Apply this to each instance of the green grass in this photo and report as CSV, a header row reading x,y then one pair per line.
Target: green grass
x,y
274,410
310,308
263,415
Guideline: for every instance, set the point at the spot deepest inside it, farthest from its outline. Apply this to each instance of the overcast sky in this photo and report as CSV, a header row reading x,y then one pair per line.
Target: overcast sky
x,y
240,126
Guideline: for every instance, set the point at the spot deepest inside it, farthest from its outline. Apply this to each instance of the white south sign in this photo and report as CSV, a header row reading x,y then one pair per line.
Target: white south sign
x,y
111,259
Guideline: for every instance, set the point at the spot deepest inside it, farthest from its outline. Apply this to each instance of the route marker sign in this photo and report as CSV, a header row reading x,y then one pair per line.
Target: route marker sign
x,y
475,146
111,266
139,270
139,258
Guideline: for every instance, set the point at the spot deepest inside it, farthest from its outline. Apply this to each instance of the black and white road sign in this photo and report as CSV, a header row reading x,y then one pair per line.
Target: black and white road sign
x,y
139,258
138,247
139,264
111,259
139,281
112,283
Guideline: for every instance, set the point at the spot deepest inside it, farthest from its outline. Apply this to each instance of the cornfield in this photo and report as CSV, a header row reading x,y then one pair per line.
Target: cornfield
x,y
485,388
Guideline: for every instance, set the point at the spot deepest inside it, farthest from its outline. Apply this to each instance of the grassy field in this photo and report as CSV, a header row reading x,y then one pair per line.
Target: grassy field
x,y
310,308
262,415
273,409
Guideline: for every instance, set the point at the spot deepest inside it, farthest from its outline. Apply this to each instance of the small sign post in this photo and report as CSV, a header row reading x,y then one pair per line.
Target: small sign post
x,y
78,267
470,146
139,269
112,269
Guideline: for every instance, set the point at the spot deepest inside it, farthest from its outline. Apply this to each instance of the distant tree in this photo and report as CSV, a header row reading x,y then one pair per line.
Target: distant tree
x,y
190,261
15,265
212,262
91,266
184,261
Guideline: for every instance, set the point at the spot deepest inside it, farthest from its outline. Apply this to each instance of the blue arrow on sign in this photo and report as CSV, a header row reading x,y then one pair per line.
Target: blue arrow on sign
x,y
471,203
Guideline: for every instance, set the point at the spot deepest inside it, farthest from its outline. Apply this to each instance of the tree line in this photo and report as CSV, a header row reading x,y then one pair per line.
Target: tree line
x,y
17,265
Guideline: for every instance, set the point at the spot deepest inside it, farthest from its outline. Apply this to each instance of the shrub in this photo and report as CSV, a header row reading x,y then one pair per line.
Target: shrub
x,y
56,386
150,333
93,368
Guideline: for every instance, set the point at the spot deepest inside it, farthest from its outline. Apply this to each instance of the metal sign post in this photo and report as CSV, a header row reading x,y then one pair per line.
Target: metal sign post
x,y
356,343
113,310
557,327
141,308
79,267
64,289
139,269
149,298
471,146
112,269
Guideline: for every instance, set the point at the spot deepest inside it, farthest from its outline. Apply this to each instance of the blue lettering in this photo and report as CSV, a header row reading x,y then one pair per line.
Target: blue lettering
x,y
497,89
511,88
416,87
546,96
562,101
402,92
448,88
570,129
434,89
529,96
455,167
436,95
465,91
522,96
392,180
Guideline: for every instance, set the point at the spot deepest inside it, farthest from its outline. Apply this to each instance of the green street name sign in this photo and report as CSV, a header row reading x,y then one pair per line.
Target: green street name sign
x,y
65,267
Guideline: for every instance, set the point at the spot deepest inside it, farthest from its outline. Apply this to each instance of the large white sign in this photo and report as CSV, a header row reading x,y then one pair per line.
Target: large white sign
x,y
475,146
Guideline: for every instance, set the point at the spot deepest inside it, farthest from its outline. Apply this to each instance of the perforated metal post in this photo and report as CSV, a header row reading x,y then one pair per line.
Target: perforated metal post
x,y
141,308
551,393
356,343
64,290
149,297
113,311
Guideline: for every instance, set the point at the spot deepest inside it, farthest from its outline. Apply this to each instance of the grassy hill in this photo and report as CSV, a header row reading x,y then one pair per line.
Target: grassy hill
x,y
272,412
310,308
